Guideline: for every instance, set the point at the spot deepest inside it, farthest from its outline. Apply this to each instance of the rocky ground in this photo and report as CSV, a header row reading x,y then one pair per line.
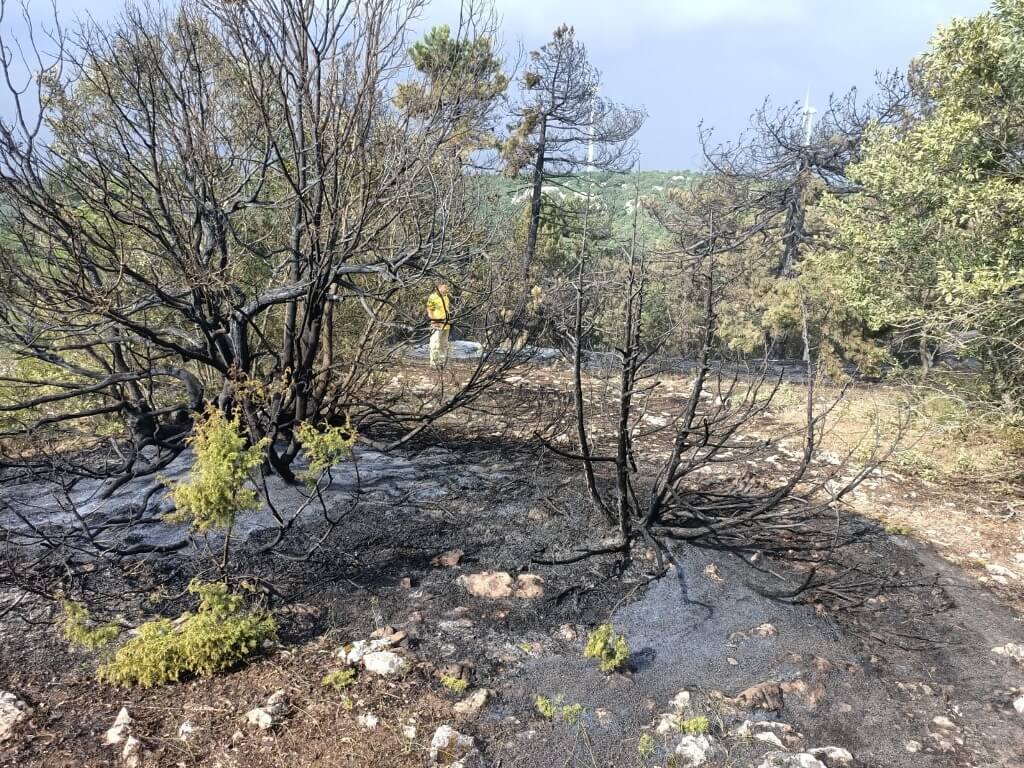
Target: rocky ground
x,y
430,592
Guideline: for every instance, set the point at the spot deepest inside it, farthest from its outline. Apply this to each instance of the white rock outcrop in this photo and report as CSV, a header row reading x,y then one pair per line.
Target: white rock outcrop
x,y
693,751
384,663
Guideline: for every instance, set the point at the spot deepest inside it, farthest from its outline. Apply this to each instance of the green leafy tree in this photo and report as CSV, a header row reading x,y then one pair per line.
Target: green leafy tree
x,y
933,246
460,74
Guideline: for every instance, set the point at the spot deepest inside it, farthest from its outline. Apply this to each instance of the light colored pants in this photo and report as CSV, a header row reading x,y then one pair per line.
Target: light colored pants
x,y
439,346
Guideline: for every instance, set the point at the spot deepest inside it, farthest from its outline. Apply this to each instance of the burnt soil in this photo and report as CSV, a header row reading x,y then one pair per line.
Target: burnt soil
x,y
870,677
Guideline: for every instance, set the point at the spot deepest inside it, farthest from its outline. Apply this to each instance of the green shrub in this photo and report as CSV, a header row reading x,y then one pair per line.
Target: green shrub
x,y
645,746
546,707
695,726
609,648
454,684
215,492
223,633
556,710
78,632
339,679
325,448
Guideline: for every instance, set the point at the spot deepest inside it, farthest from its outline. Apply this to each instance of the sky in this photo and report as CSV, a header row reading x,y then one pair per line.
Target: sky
x,y
710,61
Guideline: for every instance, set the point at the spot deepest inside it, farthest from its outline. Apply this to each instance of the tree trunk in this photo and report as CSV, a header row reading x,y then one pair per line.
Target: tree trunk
x,y
537,197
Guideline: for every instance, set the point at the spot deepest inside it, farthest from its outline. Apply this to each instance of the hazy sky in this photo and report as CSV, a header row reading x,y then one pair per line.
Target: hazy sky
x,y
710,60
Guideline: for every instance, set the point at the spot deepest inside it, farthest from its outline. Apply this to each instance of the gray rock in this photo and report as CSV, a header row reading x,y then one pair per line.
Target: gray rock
x,y
132,752
694,751
271,713
470,706
1013,651
384,663
12,711
832,757
451,749
354,653
120,730
791,760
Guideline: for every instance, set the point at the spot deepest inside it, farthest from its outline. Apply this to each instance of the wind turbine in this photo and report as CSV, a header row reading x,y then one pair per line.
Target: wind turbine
x,y
808,112
590,142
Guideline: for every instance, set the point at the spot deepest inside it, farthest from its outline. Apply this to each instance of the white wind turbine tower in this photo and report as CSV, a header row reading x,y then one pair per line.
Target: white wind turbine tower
x,y
808,112
590,143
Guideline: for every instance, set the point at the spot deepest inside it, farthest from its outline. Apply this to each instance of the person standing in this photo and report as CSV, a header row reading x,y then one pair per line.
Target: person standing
x,y
439,312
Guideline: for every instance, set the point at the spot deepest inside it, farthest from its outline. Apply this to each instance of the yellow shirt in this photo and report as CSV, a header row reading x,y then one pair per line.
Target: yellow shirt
x,y
438,310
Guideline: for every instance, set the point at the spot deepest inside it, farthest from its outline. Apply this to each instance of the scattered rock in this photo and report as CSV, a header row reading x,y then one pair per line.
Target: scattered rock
x,y
450,748
448,559
567,633
1011,650
791,760
770,731
762,631
470,706
132,752
1018,704
492,585
832,757
945,734
12,711
120,730
767,696
732,662
693,751
667,723
913,746
354,653
271,713
529,586
260,718
380,632
711,573
681,701
368,720
384,663
409,731
186,731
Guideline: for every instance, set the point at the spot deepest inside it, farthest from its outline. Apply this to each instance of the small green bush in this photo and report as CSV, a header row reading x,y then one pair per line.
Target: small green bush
x,y
556,710
645,746
454,684
223,633
339,679
325,448
215,492
695,726
609,648
78,632
546,707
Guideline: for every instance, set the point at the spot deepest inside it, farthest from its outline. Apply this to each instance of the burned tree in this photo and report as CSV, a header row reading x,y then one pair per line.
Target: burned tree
x,y
564,127
685,476
221,202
